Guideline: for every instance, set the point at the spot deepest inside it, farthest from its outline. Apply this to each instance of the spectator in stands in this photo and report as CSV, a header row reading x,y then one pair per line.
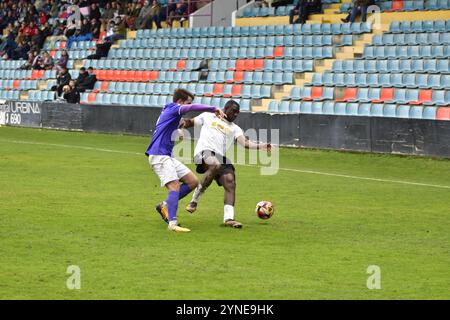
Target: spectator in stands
x,y
37,62
95,12
43,17
40,4
84,34
62,62
54,11
133,10
62,79
31,56
47,62
81,76
70,29
95,28
108,13
102,49
177,11
155,15
278,3
7,20
89,82
119,30
31,30
143,20
59,28
71,93
358,6
304,8
21,51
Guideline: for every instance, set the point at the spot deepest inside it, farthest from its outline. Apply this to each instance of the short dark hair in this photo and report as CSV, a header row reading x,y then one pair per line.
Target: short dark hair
x,y
82,69
90,68
182,94
231,103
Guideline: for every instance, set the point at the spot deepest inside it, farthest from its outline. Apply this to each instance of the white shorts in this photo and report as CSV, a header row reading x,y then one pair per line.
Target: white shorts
x,y
167,168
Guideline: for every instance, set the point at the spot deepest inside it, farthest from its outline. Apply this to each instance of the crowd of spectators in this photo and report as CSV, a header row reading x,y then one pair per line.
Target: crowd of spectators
x,y
303,8
25,24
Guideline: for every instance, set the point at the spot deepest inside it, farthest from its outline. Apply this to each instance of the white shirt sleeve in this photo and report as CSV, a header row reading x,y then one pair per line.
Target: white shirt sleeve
x,y
200,120
237,132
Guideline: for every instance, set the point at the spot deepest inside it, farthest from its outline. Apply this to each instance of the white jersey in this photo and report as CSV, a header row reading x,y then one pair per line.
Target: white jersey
x,y
217,134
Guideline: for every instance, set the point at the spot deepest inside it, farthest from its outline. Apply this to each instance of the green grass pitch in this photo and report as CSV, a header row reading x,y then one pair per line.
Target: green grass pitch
x,y
67,199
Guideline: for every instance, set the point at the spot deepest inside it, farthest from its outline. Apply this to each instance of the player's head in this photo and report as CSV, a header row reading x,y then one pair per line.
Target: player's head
x,y
182,96
231,110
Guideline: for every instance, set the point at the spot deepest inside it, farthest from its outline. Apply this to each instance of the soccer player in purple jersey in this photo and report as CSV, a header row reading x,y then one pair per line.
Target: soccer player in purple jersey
x,y
169,170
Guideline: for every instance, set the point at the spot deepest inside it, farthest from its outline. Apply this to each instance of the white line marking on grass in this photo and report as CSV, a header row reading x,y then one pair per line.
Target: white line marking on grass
x,y
72,147
246,165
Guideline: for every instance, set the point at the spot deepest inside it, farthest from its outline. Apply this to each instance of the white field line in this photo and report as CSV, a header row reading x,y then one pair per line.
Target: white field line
x,y
255,166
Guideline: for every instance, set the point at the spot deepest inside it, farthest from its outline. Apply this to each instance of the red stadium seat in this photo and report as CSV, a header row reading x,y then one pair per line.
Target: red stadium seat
x,y
118,75
181,65
238,77
316,92
16,84
278,52
397,5
92,97
349,95
249,65
109,75
259,64
240,65
424,96
236,90
101,74
218,89
140,76
127,75
62,45
443,113
104,86
387,94
34,74
153,76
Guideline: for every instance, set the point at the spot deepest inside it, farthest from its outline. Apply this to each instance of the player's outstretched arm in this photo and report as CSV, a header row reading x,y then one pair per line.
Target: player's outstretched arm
x,y
248,144
202,108
187,123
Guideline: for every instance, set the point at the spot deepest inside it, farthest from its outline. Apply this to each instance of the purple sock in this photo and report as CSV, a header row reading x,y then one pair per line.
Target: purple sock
x,y
172,204
184,191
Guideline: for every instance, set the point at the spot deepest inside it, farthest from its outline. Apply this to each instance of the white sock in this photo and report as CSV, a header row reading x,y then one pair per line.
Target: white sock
x,y
196,195
228,212
173,223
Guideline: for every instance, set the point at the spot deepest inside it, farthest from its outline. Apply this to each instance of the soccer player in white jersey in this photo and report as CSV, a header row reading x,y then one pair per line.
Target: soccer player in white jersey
x,y
216,137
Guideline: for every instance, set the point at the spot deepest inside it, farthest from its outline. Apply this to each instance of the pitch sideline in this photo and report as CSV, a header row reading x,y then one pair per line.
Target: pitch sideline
x,y
255,166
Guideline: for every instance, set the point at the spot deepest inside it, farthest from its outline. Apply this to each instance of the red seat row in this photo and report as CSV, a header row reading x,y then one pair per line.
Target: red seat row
x,y
127,75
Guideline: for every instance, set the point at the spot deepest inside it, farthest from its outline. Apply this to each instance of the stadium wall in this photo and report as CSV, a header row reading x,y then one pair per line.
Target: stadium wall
x,y
364,134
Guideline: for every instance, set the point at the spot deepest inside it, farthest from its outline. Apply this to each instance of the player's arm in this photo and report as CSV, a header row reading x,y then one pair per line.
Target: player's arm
x,y
187,123
198,121
201,108
249,144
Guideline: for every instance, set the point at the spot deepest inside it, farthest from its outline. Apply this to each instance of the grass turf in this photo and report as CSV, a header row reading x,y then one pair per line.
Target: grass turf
x,y
62,205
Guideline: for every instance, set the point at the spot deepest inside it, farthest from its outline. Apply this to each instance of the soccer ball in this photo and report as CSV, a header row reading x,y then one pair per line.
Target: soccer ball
x,y
264,209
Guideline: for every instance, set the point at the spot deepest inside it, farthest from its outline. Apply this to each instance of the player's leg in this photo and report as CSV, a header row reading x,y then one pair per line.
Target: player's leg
x,y
190,182
228,181
169,171
211,167
172,206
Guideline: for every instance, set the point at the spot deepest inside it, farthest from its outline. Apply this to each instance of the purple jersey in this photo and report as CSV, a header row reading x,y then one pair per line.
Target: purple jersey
x,y
169,120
